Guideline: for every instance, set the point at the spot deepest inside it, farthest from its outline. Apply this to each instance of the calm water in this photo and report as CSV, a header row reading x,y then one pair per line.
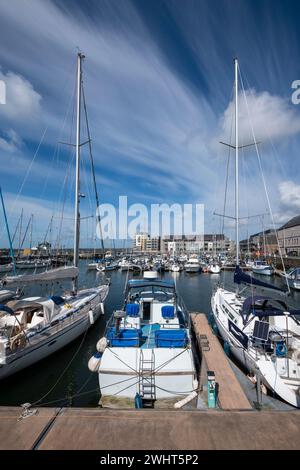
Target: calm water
x,y
34,382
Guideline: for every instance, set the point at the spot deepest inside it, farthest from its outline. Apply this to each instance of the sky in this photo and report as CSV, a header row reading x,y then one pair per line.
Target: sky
x,y
158,79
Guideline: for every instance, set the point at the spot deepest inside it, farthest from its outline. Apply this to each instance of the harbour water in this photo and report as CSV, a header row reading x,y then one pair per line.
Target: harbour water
x,y
63,379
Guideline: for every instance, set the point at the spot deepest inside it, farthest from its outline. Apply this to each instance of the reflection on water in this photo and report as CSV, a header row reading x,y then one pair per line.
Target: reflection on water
x,y
34,382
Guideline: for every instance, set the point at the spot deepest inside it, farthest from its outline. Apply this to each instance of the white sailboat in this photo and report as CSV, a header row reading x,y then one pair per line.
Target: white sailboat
x,y
34,327
263,334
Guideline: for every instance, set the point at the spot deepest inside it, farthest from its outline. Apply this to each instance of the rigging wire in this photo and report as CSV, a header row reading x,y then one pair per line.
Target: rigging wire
x,y
93,168
263,180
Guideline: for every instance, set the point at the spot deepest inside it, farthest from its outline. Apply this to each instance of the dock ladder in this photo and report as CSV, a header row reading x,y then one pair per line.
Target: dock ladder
x,y
147,388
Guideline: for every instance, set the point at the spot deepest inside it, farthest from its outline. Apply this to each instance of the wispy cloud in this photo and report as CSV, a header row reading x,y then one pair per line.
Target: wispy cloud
x,y
158,89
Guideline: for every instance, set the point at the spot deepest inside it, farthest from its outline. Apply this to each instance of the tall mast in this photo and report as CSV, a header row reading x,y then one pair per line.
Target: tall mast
x,y
8,233
236,165
31,228
80,57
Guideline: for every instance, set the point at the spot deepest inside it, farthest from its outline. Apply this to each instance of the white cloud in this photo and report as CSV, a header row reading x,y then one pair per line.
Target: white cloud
x,y
290,194
22,100
271,116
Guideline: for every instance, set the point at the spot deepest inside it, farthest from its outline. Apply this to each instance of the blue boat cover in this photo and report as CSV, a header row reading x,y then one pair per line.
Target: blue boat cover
x,y
127,337
170,338
168,311
260,306
57,299
241,277
132,310
4,308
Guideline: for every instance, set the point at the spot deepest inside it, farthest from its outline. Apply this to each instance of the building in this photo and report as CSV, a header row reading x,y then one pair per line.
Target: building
x,y
144,242
289,237
208,243
260,244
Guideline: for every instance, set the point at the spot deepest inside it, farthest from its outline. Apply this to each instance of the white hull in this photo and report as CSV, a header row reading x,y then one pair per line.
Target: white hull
x,y
214,269
5,268
265,270
192,269
53,338
175,375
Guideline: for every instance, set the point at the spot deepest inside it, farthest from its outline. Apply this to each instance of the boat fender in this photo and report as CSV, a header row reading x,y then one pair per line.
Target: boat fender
x,y
91,317
184,401
101,344
94,362
195,384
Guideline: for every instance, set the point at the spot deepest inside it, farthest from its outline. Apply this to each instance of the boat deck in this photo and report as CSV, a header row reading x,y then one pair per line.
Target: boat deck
x,y
230,395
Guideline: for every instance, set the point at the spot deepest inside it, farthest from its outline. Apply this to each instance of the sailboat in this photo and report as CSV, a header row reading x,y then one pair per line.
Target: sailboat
x,y
262,333
214,267
35,327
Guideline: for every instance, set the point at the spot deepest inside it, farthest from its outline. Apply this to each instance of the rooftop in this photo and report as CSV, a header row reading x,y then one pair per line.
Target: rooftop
x,y
291,223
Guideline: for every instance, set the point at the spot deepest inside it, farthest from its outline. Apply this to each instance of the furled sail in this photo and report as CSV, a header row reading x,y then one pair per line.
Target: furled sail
x,y
242,278
66,272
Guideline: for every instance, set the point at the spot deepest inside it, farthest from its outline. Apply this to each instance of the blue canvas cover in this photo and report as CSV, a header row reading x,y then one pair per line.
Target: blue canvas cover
x,y
241,277
132,310
4,308
127,337
171,338
57,299
168,311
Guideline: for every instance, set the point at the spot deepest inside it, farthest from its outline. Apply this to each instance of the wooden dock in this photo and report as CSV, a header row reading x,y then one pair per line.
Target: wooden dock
x,y
231,396
103,429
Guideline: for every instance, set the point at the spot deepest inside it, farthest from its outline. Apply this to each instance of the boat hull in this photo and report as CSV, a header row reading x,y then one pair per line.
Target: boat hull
x,y
174,374
265,271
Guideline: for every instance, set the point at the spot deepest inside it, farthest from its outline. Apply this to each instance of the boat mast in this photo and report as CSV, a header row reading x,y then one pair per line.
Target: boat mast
x,y
236,164
80,57
8,233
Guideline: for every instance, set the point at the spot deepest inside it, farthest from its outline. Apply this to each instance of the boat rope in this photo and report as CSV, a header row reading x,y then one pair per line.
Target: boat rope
x,y
77,394
64,371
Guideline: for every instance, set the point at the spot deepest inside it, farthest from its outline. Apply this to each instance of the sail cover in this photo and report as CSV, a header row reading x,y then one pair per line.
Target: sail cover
x,y
242,278
66,272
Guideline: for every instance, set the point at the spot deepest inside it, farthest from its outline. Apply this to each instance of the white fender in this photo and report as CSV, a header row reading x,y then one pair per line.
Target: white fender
x,y
94,362
101,344
184,401
91,317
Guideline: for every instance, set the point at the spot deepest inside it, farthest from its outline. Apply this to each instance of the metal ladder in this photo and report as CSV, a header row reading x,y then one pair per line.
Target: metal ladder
x,y
147,388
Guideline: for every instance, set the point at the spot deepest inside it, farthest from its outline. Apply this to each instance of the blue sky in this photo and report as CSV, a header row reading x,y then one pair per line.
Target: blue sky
x,y
158,81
